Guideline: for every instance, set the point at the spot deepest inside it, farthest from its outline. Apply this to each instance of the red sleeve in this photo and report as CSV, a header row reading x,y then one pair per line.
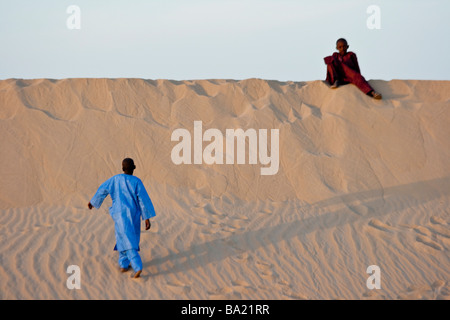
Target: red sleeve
x,y
328,59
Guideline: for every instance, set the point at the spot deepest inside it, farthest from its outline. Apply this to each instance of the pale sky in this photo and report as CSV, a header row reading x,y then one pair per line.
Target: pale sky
x,y
221,39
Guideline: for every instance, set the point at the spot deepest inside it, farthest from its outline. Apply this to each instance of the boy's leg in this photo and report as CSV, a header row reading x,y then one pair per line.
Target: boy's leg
x,y
332,75
124,262
357,79
135,259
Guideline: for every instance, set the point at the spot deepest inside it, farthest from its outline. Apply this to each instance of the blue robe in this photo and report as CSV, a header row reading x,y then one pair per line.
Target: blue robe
x,y
130,202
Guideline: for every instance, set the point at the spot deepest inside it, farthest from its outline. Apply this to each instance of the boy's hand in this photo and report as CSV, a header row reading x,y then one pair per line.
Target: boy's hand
x,y
90,206
147,224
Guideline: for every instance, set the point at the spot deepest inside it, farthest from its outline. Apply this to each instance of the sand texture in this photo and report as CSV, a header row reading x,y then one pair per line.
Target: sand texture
x,y
360,182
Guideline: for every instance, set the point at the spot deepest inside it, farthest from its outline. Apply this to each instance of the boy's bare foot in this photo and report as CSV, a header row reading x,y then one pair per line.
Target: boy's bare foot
x,y
376,95
136,274
335,85
123,270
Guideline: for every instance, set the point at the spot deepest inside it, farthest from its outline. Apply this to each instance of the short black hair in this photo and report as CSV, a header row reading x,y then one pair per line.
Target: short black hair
x,y
341,39
128,164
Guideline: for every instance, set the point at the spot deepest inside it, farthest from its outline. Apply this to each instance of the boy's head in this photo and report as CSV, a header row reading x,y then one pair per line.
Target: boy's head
x,y
128,165
342,46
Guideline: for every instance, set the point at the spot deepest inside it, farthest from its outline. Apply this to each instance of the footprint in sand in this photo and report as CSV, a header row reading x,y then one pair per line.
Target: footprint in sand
x,y
377,224
178,287
438,284
241,258
286,289
236,225
210,226
438,220
442,289
208,232
214,221
226,293
212,211
373,295
438,290
423,231
201,221
241,217
242,286
240,283
440,230
266,270
230,225
265,211
294,295
360,210
427,241
431,234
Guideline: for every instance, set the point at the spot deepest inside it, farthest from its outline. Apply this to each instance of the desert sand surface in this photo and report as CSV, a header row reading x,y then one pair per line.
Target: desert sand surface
x,y
360,182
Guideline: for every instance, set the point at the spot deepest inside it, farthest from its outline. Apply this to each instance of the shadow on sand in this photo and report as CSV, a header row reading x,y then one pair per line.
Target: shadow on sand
x,y
362,205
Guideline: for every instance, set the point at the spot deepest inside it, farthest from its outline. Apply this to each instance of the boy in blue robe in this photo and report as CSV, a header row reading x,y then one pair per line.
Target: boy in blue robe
x,y
130,202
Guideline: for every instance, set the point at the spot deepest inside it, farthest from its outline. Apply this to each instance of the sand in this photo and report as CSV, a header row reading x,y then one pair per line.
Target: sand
x,y
360,182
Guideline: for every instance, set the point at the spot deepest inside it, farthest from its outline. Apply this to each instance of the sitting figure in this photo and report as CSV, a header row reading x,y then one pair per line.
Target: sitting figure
x,y
343,68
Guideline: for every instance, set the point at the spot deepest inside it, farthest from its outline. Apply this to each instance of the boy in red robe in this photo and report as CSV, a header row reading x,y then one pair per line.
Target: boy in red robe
x,y
343,68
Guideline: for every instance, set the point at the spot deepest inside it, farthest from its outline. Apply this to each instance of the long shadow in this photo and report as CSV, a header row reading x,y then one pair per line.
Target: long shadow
x,y
219,249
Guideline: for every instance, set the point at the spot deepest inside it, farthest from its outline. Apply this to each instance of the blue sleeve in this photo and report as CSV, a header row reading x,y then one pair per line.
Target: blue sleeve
x,y
101,194
145,203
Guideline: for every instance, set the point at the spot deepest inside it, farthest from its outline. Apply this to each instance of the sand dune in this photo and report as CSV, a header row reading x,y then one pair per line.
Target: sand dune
x,y
360,182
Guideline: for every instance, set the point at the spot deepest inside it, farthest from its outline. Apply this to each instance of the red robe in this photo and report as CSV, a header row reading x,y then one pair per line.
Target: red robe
x,y
346,70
